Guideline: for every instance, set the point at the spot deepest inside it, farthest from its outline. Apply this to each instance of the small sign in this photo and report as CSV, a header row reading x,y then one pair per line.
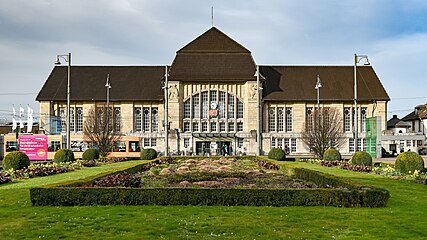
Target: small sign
x,y
213,113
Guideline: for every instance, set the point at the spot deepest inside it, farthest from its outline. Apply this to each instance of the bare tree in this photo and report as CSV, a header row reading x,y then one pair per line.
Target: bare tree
x,y
323,130
99,129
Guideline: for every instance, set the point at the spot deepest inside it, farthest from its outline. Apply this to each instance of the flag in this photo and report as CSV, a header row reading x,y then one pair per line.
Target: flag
x,y
30,119
13,119
21,115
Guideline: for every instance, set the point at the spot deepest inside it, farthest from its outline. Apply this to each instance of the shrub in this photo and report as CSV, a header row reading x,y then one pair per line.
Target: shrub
x,y
90,154
121,179
331,155
408,162
361,158
5,178
15,160
64,155
148,154
277,154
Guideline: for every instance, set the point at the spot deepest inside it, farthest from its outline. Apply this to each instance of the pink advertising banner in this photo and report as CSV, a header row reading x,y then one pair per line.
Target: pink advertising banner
x,y
34,146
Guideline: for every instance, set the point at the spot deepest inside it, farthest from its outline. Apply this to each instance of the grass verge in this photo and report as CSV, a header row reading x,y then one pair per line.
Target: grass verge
x,y
403,218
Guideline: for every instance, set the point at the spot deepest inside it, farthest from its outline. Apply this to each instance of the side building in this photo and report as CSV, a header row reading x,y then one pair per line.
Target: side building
x,y
212,100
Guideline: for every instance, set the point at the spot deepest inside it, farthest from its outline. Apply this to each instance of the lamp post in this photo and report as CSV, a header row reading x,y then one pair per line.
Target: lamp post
x,y
258,121
108,87
357,59
165,87
67,58
318,86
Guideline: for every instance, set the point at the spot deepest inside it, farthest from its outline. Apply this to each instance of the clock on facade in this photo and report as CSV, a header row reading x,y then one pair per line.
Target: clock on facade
x,y
214,105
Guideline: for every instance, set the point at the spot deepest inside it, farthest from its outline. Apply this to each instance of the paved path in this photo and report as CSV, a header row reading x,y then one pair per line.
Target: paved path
x,y
393,159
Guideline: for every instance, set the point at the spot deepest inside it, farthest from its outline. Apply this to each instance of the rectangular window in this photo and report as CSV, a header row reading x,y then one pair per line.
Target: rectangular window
x,y
231,126
196,106
271,119
309,118
186,142
195,126
205,105
288,119
222,126
221,104
213,96
230,108
280,119
79,119
146,142
351,145
213,127
63,116
53,146
273,143
137,119
154,119
347,119
363,115
293,145
240,142
11,146
186,126
117,119
146,113
153,142
239,109
72,117
187,109
204,126
239,126
408,143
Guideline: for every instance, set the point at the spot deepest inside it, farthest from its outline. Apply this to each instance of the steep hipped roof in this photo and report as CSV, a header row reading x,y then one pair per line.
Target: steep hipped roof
x,y
88,83
297,83
213,56
393,121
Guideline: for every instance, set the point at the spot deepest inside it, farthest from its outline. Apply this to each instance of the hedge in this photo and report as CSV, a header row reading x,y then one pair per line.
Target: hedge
x,y
348,195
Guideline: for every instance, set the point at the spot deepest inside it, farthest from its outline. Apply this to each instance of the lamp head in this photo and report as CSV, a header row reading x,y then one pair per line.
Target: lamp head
x,y
367,62
57,62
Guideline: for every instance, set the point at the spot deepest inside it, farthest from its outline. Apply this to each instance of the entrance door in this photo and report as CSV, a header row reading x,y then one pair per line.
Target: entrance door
x,y
203,148
224,148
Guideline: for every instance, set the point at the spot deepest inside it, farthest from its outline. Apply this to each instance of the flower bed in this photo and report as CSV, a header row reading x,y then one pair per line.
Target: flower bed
x,y
210,182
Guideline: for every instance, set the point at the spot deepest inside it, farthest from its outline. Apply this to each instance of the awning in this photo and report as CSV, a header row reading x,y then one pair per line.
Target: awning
x,y
215,136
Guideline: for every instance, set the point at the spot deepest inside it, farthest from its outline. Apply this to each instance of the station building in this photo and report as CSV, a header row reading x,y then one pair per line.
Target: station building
x,y
212,100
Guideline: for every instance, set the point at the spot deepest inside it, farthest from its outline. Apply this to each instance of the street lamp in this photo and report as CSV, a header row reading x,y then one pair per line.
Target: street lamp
x,y
67,58
108,87
258,123
318,86
357,59
166,126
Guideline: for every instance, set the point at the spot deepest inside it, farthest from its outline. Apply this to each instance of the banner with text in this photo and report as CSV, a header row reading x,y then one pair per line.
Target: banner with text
x,y
34,146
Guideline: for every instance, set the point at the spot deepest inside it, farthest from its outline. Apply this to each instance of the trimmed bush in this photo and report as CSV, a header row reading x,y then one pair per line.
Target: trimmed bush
x,y
361,158
15,160
277,154
331,155
148,154
64,155
90,154
408,162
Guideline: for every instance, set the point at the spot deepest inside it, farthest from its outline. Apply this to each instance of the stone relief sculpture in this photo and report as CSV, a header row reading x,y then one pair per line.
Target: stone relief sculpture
x,y
252,91
173,92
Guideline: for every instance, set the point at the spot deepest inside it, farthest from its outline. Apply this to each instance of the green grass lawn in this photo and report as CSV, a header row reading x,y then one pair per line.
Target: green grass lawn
x,y
404,217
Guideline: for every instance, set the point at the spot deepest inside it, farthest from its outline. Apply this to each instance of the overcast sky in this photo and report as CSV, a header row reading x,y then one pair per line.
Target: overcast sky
x,y
393,33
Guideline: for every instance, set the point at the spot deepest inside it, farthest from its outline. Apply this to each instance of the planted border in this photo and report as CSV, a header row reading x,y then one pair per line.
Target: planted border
x,y
349,194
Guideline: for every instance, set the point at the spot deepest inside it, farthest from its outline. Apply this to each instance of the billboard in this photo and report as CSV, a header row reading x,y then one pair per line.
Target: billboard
x,y
34,146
